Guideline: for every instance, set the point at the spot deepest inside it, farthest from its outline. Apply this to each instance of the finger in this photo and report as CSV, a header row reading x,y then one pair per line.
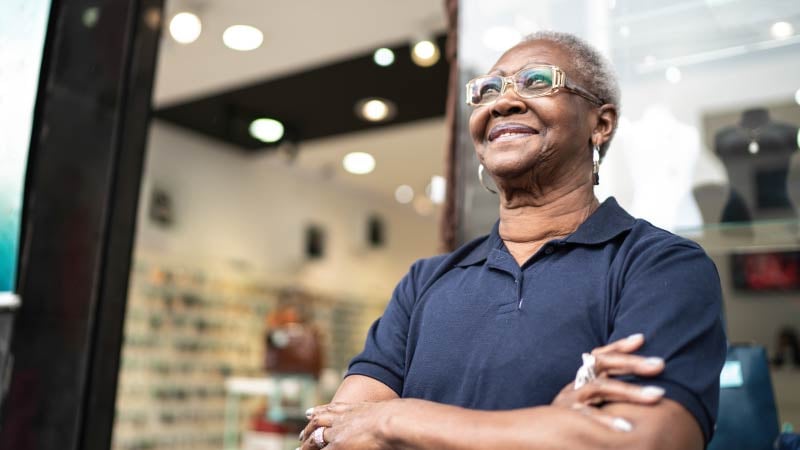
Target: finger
x,y
609,390
321,418
311,444
615,423
614,363
624,345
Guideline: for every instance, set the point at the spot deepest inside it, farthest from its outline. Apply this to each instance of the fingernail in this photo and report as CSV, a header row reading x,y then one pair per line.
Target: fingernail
x,y
309,411
622,425
652,391
635,337
654,361
302,435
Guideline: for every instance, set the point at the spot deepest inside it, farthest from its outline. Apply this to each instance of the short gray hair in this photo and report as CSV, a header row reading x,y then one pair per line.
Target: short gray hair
x,y
592,67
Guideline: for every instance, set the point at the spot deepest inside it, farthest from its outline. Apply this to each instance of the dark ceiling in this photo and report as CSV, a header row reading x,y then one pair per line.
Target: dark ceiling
x,y
319,102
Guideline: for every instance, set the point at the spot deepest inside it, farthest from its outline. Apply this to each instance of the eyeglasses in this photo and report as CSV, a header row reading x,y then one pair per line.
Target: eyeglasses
x,y
530,82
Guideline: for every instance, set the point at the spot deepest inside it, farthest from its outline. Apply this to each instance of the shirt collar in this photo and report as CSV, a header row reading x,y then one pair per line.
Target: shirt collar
x,y
606,223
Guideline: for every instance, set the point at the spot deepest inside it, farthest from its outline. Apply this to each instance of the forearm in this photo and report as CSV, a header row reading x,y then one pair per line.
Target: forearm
x,y
422,425
359,388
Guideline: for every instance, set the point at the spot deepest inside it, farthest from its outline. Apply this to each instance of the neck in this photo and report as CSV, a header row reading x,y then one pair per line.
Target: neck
x,y
555,214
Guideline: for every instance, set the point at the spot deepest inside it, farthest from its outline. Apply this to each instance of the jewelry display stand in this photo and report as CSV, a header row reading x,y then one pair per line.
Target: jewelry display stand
x,y
757,155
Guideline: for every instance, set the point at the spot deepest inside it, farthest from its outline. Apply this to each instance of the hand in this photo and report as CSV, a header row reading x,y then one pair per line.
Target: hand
x,y
614,359
351,426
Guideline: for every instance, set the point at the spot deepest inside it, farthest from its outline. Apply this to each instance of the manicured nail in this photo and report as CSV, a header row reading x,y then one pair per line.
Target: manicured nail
x,y
654,361
652,391
309,411
302,436
635,337
622,425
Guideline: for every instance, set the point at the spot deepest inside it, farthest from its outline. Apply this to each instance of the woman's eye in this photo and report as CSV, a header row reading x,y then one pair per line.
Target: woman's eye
x,y
489,88
536,79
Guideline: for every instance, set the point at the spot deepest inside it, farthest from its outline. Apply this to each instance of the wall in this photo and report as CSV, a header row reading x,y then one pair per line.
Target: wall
x,y
250,211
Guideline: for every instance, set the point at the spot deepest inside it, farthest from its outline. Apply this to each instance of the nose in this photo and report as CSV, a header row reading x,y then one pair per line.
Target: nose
x,y
508,103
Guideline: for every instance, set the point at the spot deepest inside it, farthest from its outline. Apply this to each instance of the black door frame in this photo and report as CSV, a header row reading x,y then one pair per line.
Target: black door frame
x,y
82,191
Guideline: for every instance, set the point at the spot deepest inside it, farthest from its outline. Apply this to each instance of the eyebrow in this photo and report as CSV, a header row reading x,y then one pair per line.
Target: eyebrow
x,y
532,63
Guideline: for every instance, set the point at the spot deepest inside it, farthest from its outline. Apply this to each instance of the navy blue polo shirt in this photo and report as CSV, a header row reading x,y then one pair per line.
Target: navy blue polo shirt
x,y
473,328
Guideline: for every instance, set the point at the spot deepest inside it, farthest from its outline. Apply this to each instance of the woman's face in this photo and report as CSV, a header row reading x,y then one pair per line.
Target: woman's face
x,y
541,137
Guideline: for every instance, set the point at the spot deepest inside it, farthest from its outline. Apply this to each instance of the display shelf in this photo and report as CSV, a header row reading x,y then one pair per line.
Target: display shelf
x,y
189,330
743,237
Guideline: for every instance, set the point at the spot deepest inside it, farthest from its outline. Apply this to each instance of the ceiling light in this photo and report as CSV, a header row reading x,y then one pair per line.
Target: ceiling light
x,y
501,38
404,194
266,130
649,60
375,109
185,27
797,96
383,57
243,37
358,163
425,53
624,31
673,74
436,189
781,30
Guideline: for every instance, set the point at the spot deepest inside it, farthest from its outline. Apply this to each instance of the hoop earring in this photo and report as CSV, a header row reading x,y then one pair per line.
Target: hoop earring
x,y
596,164
480,179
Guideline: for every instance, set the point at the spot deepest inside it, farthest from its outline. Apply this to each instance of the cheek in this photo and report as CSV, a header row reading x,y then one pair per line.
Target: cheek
x,y
477,124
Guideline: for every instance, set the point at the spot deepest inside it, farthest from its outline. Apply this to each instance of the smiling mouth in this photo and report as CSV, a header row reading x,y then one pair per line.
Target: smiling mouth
x,y
505,132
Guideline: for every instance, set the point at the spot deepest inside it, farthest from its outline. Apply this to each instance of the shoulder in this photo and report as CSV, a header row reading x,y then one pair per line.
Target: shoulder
x,y
645,239
426,271
658,258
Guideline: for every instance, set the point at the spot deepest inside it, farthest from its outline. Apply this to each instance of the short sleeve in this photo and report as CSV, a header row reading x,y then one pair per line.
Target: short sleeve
x,y
671,293
383,357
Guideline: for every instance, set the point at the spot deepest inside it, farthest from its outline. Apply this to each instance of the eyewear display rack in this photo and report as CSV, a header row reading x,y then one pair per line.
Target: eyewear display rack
x,y
187,331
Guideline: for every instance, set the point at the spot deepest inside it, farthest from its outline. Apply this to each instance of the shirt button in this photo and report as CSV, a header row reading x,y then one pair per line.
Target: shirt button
x,y
548,250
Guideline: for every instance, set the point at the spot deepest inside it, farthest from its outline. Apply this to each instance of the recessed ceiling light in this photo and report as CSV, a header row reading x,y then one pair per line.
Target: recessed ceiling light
x,y
425,53
185,27
358,163
375,109
383,57
501,38
266,130
673,74
781,30
242,37
624,31
436,189
404,193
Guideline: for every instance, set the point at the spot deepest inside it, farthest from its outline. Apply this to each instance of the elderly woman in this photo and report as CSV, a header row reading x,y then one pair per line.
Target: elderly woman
x,y
475,347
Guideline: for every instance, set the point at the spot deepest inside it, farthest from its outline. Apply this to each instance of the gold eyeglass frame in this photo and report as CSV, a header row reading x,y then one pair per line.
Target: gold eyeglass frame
x,y
559,82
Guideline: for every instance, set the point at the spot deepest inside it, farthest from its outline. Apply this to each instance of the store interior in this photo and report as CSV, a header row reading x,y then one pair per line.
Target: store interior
x,y
234,232
241,240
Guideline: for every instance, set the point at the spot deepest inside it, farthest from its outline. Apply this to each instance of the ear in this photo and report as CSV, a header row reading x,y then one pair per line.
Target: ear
x,y
606,124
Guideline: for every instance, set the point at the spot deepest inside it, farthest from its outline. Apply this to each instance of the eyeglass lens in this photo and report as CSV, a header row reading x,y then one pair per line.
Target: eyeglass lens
x,y
528,83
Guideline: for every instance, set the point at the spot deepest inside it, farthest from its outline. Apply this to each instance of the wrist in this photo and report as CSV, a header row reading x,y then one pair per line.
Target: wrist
x,y
392,422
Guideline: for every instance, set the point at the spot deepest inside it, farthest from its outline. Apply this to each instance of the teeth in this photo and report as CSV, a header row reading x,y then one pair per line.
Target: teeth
x,y
510,134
